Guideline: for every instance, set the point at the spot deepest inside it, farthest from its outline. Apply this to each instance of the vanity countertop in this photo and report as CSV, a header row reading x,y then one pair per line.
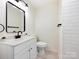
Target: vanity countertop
x,y
15,42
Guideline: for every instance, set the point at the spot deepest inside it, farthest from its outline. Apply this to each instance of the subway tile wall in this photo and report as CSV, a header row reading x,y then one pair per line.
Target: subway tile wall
x,y
70,16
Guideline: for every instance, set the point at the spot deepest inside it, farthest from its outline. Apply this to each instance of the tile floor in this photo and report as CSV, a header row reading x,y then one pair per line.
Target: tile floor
x,y
49,55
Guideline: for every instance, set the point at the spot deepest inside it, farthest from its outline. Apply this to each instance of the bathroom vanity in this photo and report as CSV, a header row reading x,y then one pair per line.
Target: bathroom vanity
x,y
22,48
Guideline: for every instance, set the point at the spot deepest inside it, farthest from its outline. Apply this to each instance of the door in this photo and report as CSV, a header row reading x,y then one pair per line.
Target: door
x,y
22,55
70,11
33,52
33,49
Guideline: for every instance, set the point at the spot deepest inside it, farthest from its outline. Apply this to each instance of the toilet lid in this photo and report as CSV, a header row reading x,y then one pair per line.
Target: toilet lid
x,y
41,44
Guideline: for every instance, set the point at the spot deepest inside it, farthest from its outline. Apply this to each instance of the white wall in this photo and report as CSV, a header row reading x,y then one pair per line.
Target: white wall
x,y
46,24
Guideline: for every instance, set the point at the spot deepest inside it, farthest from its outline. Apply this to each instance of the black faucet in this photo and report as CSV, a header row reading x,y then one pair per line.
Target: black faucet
x,y
18,35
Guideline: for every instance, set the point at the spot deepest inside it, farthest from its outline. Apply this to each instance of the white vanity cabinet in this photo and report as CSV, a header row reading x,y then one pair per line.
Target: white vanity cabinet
x,y
24,50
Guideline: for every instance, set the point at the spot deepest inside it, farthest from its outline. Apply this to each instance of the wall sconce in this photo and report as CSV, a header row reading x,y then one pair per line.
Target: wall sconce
x,y
17,0
22,1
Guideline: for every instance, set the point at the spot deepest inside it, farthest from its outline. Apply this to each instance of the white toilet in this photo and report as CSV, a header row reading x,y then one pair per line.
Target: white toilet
x,y
41,47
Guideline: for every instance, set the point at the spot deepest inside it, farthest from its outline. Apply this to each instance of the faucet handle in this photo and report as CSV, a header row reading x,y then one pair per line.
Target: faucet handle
x,y
19,32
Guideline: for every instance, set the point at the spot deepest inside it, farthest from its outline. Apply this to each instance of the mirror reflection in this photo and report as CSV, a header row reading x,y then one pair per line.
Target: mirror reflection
x,y
15,18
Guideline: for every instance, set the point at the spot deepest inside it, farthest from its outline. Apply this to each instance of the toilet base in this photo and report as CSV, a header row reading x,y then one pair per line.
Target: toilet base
x,y
41,51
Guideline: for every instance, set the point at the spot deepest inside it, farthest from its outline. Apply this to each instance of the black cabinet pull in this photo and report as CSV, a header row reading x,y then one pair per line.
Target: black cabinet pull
x,y
31,48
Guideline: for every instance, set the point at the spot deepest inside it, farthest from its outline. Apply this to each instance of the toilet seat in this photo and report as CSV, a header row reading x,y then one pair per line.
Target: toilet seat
x,y
41,44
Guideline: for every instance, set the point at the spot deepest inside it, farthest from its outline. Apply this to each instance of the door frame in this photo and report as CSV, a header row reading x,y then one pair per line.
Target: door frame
x,y
60,3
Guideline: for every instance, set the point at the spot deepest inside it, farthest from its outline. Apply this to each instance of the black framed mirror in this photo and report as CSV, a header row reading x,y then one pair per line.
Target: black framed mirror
x,y
15,18
1,28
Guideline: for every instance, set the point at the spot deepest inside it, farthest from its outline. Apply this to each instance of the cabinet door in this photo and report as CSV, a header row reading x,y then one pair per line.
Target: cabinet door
x,y
22,55
33,52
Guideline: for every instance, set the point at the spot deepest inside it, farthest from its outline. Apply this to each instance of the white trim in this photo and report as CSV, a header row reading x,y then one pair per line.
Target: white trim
x,y
60,30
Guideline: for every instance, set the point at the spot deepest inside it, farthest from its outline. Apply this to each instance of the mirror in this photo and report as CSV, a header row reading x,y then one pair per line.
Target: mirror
x,y
1,28
15,18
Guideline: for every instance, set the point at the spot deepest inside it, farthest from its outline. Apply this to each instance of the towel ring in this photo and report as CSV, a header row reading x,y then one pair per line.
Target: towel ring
x,y
1,27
